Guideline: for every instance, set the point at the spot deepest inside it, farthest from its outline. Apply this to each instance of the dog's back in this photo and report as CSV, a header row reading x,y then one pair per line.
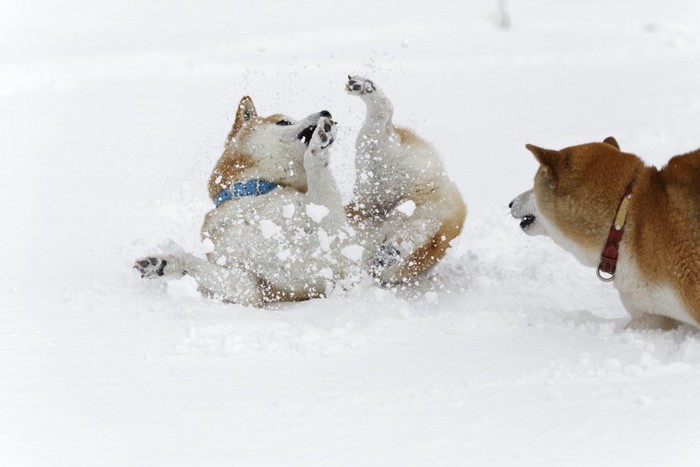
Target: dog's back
x,y
682,179
668,228
682,182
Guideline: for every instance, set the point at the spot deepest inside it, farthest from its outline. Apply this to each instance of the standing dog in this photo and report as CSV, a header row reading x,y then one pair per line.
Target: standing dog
x,y
639,225
403,203
279,231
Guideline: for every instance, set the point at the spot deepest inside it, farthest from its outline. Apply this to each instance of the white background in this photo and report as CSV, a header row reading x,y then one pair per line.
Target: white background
x,y
510,353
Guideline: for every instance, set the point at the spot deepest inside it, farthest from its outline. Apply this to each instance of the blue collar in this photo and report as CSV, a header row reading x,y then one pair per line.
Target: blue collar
x,y
253,187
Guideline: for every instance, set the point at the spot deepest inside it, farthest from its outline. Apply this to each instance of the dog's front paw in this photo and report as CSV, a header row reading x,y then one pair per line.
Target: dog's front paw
x,y
151,267
358,85
324,135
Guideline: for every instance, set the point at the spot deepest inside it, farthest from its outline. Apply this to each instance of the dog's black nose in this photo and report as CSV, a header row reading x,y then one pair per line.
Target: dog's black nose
x,y
510,205
325,113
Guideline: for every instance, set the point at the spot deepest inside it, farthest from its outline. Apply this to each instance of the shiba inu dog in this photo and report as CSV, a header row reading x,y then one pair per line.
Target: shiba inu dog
x,y
403,202
639,225
279,230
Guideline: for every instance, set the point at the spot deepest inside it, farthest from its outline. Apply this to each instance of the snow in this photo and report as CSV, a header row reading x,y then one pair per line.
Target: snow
x,y
268,228
509,353
316,212
353,252
288,211
408,207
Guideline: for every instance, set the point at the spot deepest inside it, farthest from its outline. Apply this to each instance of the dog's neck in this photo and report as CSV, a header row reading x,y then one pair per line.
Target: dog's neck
x,y
237,167
608,258
254,187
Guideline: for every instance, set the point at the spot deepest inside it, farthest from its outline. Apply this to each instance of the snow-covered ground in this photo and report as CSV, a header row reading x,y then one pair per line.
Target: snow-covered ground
x,y
510,353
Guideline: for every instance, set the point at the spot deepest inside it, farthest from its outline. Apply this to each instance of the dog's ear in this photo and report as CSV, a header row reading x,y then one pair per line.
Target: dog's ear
x,y
612,142
246,111
549,160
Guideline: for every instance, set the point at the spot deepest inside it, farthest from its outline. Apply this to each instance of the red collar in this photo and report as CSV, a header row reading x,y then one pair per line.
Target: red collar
x,y
608,259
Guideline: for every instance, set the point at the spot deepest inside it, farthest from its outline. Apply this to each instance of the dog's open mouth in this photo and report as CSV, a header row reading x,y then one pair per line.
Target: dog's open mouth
x,y
306,134
526,221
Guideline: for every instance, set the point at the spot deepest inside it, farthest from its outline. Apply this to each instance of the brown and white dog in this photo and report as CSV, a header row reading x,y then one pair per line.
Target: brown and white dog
x,y
279,231
403,203
639,225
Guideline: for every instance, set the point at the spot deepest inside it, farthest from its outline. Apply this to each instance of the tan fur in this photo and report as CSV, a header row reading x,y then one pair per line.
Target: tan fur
x,y
271,294
235,165
400,244
244,112
435,249
430,253
356,213
580,188
228,169
408,137
666,221
575,182
232,162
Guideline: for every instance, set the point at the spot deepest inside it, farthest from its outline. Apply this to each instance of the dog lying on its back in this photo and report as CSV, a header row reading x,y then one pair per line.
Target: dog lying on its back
x,y
639,225
279,230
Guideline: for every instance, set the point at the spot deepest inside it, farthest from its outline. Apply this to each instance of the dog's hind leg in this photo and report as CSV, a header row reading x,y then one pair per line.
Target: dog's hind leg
x,y
229,285
375,147
416,237
380,110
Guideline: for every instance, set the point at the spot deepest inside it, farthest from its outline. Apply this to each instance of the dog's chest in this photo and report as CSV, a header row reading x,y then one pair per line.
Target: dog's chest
x,y
258,226
237,216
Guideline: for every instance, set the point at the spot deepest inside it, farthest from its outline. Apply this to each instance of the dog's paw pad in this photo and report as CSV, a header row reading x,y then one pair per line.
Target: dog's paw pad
x,y
387,256
151,267
325,133
359,85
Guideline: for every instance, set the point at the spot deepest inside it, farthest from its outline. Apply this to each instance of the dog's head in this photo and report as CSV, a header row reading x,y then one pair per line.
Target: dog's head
x,y
575,196
271,148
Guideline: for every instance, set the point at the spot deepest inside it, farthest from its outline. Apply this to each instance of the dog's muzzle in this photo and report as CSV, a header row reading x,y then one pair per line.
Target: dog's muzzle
x,y
523,208
305,135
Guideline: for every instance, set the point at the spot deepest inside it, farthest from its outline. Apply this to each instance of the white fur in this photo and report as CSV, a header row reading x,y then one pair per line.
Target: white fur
x,y
271,239
277,151
641,297
300,243
404,181
526,205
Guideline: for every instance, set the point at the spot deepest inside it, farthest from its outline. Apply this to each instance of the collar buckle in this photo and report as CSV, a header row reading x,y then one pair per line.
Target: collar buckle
x,y
609,256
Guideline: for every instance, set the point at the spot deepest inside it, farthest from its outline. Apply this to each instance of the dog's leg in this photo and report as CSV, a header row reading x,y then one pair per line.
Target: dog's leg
x,y
415,236
322,189
380,110
400,238
229,285
376,144
641,321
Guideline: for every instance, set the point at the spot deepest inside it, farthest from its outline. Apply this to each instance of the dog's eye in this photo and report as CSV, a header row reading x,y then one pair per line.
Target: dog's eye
x,y
284,123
